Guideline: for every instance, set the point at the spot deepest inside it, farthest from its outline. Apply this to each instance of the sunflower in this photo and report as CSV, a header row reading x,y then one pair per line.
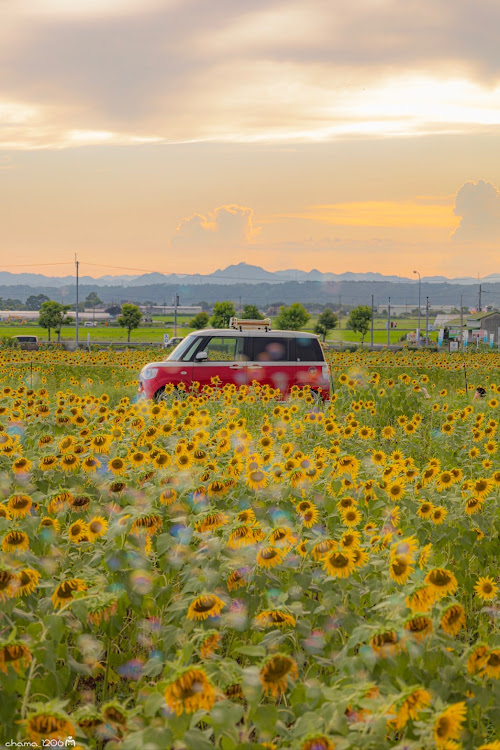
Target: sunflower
x,y
400,568
384,643
415,702
150,523
492,664
396,491
442,581
419,626
21,465
486,588
351,517
101,443
482,487
97,526
477,659
211,522
268,557
275,672
78,531
209,645
438,515
47,463
205,606
7,582
350,540
69,462
190,692
473,505
425,554
117,466
90,465
15,655
425,510
15,541
256,479
236,579
65,590
453,619
282,535
317,742
19,505
339,564
26,581
448,724
79,502
274,618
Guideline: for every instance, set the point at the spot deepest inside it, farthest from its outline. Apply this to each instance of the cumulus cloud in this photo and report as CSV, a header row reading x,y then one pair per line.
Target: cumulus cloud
x,y
478,205
228,227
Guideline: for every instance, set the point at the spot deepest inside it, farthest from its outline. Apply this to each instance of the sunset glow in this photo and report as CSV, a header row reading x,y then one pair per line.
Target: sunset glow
x,y
289,134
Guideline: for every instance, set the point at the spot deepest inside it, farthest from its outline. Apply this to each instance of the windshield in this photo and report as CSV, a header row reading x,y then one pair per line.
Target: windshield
x,y
182,349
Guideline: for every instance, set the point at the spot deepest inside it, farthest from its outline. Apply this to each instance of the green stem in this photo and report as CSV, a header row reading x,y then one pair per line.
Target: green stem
x,y
106,674
28,688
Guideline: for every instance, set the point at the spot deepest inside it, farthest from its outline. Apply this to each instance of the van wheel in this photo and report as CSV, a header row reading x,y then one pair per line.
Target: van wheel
x,y
159,395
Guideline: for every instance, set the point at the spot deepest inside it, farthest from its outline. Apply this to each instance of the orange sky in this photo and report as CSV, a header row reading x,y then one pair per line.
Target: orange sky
x,y
183,137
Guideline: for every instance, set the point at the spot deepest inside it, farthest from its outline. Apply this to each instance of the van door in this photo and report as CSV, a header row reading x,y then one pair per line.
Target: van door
x,y
311,366
226,360
272,362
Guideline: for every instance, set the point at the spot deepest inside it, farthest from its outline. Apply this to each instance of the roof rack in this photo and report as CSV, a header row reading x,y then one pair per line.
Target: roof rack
x,y
245,324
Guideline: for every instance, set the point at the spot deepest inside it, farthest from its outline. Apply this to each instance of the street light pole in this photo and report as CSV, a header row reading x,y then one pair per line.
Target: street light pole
x,y
418,327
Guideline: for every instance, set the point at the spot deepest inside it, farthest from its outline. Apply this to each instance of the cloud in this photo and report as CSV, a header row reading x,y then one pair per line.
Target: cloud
x,y
226,227
252,70
478,205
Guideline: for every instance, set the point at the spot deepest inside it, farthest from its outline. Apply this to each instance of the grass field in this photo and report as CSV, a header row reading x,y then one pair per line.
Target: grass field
x,y
155,334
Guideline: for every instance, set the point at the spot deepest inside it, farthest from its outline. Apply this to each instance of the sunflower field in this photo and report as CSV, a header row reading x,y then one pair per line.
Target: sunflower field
x,y
224,569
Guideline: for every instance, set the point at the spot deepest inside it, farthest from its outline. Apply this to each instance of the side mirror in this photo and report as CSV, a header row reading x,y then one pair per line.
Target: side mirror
x,y
201,356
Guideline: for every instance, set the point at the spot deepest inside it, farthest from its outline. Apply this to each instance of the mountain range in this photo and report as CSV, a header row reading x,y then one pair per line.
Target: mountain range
x,y
241,273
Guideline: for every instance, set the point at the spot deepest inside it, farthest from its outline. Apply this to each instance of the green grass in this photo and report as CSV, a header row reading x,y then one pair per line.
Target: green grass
x,y
154,334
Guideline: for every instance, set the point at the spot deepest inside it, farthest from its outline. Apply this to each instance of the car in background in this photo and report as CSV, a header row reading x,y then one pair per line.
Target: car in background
x,y
27,343
239,356
90,324
174,341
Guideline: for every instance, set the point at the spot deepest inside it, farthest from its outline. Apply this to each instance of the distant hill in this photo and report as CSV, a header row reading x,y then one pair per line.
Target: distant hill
x,y
240,273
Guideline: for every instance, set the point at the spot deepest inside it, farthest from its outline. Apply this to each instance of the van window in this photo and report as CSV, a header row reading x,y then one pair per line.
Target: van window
x,y
270,349
225,349
308,350
184,350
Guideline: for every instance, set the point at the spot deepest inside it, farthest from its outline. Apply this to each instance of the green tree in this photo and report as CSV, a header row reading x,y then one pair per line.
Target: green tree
x,y
92,300
53,315
292,318
359,320
35,301
130,318
113,310
200,320
251,312
327,321
223,311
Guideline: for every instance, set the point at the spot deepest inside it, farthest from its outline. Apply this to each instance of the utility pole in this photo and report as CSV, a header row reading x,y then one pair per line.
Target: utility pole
x,y
479,304
418,326
389,323
371,329
340,312
176,302
461,322
427,321
76,312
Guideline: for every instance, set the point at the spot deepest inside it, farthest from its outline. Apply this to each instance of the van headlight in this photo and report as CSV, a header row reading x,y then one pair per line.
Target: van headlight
x,y
325,372
149,373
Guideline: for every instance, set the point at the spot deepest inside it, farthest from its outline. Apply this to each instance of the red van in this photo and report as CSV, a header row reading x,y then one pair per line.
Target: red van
x,y
239,356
